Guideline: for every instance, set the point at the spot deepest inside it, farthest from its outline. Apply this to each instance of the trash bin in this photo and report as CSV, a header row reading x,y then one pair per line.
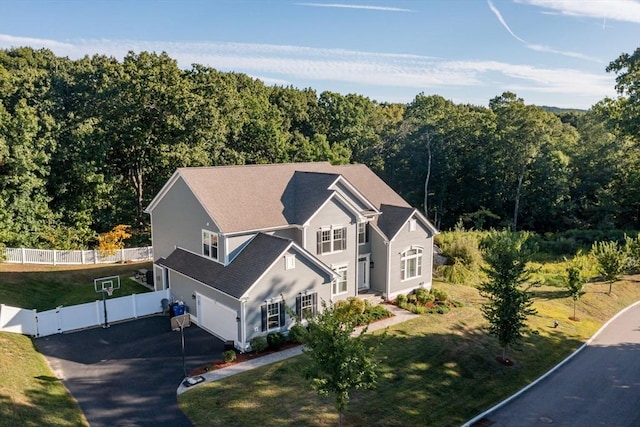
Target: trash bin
x,y
178,310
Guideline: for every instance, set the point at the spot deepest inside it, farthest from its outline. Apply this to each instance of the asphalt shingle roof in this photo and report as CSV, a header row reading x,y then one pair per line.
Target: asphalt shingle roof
x,y
236,278
255,197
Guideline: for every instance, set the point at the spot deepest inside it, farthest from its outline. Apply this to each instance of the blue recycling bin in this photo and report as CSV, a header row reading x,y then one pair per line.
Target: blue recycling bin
x,y
178,309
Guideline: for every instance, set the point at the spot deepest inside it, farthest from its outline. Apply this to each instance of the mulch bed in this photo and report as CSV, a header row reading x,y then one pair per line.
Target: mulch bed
x,y
240,357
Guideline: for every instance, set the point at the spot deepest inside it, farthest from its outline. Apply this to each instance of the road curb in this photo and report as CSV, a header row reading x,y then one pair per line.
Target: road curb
x,y
549,372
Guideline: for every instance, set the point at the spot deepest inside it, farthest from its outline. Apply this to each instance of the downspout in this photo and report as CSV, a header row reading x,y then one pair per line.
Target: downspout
x,y
357,250
388,245
243,326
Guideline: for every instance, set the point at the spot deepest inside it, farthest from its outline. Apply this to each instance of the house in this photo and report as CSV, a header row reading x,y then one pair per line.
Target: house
x,y
239,244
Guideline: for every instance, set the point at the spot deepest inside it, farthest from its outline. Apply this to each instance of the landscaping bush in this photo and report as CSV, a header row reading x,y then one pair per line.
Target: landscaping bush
x,y
439,295
275,340
258,344
297,333
229,356
423,296
375,312
401,299
350,308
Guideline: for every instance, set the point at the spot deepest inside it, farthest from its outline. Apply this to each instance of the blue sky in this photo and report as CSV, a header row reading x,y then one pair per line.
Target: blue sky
x,y
549,52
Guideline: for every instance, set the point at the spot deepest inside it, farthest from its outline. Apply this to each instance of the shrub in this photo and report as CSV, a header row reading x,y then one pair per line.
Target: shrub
x,y
275,340
376,312
439,295
297,333
229,356
350,308
401,299
258,344
423,296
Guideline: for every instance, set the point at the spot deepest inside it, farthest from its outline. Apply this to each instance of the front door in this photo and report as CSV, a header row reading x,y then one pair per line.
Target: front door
x,y
363,272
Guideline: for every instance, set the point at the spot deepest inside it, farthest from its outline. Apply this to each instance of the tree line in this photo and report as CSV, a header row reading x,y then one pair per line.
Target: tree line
x,y
85,145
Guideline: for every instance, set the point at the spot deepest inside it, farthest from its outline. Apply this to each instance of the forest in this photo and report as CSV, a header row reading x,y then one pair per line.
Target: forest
x,y
86,144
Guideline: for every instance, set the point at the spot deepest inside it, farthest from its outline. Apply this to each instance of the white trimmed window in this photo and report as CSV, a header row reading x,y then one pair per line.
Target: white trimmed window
x,y
340,284
306,305
289,262
411,263
412,224
273,316
333,239
210,244
363,233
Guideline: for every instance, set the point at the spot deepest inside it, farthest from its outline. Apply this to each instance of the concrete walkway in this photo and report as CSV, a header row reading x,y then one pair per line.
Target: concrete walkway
x,y
400,316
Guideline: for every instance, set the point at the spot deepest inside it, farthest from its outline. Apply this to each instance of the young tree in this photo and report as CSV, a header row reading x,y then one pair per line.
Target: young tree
x,y
632,250
506,255
575,280
611,261
111,241
337,361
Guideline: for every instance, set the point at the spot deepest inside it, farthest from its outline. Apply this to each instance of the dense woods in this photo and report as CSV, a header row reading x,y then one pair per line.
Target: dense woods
x,y
85,144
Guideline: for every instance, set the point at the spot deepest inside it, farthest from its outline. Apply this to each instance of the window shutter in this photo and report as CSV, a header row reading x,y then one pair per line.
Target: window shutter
x,y
320,242
344,238
264,317
314,303
282,313
299,306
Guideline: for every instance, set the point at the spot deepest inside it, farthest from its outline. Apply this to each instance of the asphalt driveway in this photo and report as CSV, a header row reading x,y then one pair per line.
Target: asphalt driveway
x,y
127,374
600,386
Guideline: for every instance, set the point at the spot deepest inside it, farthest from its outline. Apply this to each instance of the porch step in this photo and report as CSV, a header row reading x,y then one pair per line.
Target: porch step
x,y
373,297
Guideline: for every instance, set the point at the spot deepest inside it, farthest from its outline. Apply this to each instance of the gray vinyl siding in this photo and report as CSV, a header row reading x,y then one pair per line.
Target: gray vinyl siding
x,y
184,288
235,244
361,206
178,220
403,241
293,233
279,282
378,274
335,214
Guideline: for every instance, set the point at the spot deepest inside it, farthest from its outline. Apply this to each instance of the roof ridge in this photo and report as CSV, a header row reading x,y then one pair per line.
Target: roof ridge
x,y
254,165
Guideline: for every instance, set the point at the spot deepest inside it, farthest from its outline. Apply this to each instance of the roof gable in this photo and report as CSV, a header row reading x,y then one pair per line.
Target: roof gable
x,y
261,197
243,272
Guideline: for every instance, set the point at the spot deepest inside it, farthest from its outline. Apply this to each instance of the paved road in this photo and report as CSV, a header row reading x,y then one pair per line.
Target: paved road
x,y
600,386
127,374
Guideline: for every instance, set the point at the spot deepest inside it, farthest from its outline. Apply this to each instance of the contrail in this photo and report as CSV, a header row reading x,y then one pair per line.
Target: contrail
x,y
503,22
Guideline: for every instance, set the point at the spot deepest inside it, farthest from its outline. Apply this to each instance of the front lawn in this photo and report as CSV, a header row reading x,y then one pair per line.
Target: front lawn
x,y
438,369
45,287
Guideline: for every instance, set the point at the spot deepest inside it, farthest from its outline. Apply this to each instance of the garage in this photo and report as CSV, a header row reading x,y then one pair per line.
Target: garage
x,y
217,318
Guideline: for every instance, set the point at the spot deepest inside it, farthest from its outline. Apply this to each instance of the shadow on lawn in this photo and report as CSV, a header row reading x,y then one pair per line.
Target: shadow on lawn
x,y
423,379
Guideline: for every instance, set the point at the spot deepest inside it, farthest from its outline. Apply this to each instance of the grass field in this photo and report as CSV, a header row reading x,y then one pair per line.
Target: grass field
x,y
30,395
44,287
434,370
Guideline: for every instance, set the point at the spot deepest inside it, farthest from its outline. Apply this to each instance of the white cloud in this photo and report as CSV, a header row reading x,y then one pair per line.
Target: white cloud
x,y
619,10
354,6
293,65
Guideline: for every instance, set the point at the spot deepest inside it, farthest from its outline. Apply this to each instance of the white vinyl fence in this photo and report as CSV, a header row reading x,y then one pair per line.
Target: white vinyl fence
x,y
64,319
55,257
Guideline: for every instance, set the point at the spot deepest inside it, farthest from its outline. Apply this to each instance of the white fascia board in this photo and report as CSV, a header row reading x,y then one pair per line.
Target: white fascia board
x,y
165,188
264,230
354,190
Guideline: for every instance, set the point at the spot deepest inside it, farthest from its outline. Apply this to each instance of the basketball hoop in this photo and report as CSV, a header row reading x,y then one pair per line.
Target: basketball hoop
x,y
109,290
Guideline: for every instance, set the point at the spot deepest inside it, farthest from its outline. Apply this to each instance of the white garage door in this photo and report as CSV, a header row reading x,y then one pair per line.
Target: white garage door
x,y
217,318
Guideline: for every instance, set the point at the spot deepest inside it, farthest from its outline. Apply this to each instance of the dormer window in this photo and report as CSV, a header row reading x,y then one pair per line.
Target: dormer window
x,y
210,244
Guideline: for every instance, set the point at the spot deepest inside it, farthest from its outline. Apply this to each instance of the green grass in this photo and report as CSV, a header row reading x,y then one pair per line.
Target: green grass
x,y
434,370
43,287
29,393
